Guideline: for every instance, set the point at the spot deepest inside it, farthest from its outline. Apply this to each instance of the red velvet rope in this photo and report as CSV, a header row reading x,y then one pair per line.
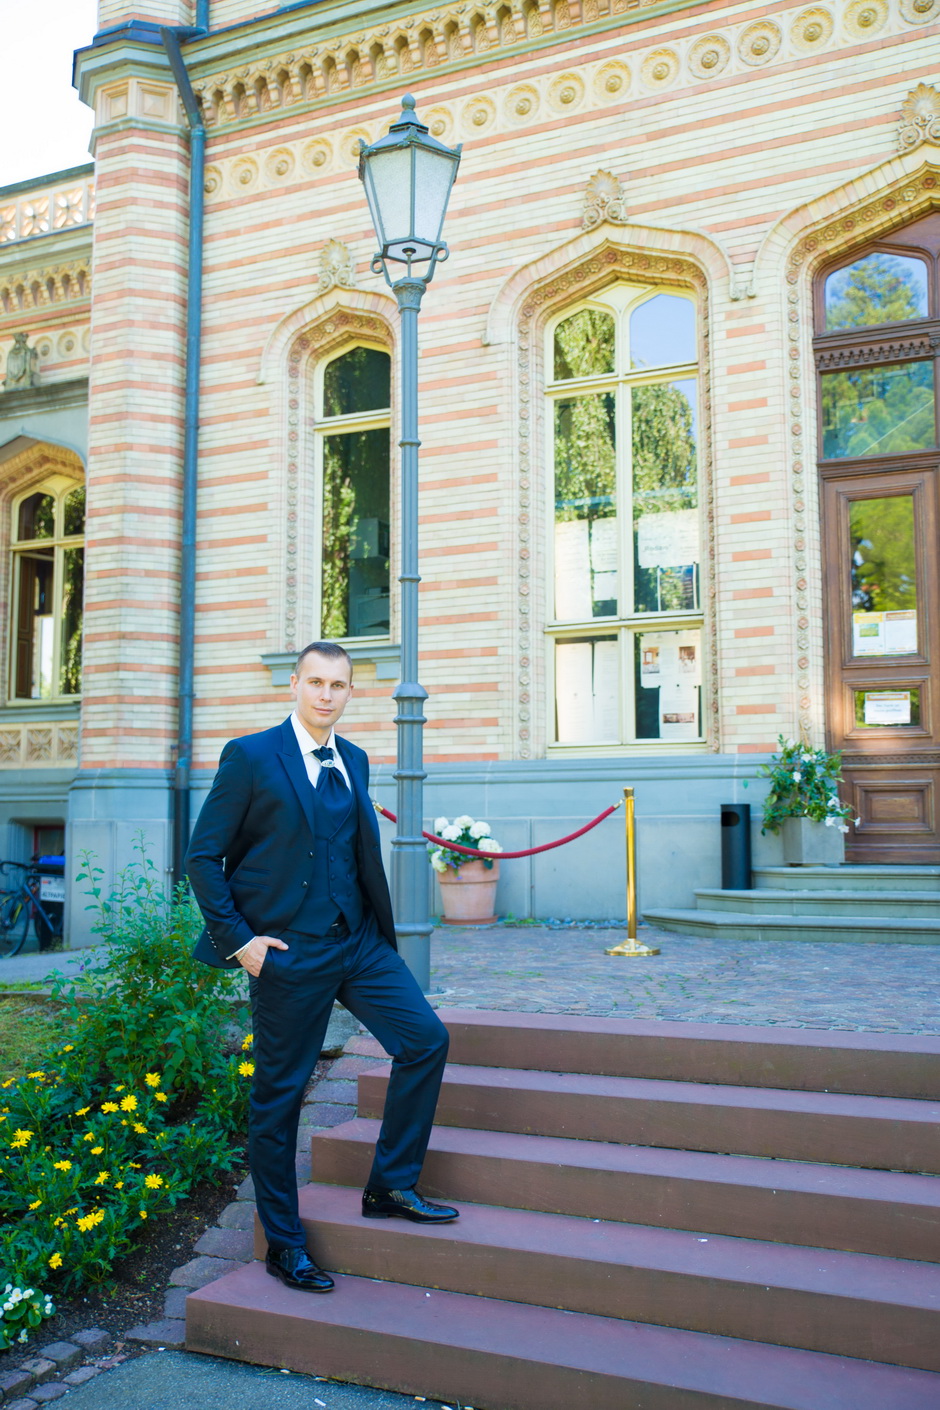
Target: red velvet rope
x,y
505,856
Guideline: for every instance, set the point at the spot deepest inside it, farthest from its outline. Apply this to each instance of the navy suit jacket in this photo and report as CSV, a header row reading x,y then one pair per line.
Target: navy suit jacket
x,y
253,844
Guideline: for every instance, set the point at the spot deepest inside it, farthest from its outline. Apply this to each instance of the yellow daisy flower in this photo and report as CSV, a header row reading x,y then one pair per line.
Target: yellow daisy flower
x,y
63,1165
35,1204
140,1129
160,1096
96,1150
247,1069
55,1261
247,1042
153,1182
152,1079
102,1177
109,1106
129,1103
83,1111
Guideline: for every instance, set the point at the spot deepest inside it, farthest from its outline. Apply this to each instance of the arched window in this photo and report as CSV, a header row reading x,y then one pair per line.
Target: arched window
x,y
626,608
353,454
48,580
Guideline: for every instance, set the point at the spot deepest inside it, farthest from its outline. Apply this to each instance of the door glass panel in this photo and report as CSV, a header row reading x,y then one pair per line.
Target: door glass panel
x,y
878,410
355,534
360,380
886,709
662,332
665,497
74,512
668,668
584,345
587,690
884,576
586,529
880,288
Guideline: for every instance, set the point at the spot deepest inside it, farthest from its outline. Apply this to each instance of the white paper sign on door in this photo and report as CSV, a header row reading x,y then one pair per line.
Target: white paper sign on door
x,y
888,707
668,540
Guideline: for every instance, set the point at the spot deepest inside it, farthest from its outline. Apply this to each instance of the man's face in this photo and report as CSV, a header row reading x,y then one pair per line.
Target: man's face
x,y
321,690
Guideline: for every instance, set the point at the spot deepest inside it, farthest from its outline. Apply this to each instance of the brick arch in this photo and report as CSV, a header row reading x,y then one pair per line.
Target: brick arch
x,y
341,307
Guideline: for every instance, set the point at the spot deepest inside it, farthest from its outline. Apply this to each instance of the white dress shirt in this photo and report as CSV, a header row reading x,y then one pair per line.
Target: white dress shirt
x,y
307,744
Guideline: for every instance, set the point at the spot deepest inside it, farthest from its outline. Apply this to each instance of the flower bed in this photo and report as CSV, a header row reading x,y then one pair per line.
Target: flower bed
x,y
145,1098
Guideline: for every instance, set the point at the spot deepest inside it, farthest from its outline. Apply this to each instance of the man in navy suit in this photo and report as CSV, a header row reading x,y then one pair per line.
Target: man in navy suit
x,y
286,867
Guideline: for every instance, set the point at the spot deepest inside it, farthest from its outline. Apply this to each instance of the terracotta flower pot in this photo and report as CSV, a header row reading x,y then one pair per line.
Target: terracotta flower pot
x,y
468,893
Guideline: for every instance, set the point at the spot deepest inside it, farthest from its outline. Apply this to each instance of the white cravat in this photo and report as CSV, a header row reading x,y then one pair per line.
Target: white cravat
x,y
308,744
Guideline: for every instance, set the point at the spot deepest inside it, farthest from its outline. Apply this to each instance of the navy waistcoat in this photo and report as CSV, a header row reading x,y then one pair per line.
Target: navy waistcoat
x,y
333,885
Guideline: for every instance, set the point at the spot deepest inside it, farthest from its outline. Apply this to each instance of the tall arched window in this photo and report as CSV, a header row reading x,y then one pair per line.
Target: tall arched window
x,y
353,454
626,611
48,580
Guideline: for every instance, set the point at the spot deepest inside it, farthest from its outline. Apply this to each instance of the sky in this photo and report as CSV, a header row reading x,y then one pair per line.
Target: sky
x,y
43,124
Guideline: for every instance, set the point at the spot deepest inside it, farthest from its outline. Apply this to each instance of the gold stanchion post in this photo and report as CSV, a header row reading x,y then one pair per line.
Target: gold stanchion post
x,y
631,946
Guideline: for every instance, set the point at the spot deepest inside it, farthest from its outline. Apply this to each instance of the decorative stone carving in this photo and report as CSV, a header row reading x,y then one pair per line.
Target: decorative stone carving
x,y
22,364
611,82
863,18
604,199
660,69
812,30
920,118
920,11
337,268
758,44
709,56
566,92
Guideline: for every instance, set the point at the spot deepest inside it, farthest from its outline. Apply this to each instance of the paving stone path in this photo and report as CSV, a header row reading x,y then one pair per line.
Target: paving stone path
x,y
547,969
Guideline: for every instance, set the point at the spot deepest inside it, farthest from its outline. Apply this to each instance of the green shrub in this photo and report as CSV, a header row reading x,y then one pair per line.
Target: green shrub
x,y
804,783
144,1100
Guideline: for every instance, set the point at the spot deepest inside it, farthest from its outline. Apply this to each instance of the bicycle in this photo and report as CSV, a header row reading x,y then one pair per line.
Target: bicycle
x,y
24,903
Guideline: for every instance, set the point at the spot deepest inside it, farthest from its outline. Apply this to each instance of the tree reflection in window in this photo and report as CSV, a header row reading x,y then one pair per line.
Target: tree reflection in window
x,y
884,576
355,589
881,288
872,411
584,345
665,497
48,573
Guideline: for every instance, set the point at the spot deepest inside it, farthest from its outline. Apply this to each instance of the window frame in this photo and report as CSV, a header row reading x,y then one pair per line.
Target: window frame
x,y
620,299
59,488
879,344
348,424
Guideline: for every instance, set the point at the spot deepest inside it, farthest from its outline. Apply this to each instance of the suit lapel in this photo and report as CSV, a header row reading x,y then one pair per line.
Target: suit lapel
x,y
293,761
367,823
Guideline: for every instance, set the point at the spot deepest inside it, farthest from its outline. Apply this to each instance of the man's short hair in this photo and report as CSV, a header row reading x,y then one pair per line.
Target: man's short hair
x,y
325,648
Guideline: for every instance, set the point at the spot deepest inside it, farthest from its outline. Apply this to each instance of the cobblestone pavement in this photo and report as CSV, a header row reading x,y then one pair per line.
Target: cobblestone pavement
x,y
549,969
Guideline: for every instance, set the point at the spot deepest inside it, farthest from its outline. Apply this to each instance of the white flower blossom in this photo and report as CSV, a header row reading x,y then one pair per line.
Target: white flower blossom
x,y
440,824
480,829
437,861
489,844
858,822
797,778
451,833
463,821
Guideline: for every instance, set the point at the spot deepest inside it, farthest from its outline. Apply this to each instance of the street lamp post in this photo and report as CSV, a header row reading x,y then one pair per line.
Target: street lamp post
x,y
408,177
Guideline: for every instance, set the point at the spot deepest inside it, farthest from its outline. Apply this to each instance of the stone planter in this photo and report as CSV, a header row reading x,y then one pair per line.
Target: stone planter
x,y
812,844
468,894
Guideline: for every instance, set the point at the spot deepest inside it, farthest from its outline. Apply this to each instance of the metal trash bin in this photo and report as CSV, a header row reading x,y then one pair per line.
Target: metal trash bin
x,y
51,894
736,846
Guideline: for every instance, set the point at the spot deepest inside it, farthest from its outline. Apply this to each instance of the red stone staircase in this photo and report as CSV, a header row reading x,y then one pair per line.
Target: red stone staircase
x,y
655,1216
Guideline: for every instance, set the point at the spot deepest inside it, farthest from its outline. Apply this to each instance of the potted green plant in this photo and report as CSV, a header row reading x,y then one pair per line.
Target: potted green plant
x,y
804,804
468,884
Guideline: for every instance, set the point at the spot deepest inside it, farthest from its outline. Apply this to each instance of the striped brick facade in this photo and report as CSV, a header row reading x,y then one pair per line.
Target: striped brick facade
x,y
749,141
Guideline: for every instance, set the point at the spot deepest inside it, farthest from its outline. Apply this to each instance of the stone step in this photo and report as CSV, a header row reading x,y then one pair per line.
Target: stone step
x,y
868,929
510,1356
890,1133
850,878
866,1211
869,1064
838,903
850,1304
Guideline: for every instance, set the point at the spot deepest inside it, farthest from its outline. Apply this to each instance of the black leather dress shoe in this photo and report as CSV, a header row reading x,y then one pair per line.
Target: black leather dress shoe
x,y
296,1269
407,1204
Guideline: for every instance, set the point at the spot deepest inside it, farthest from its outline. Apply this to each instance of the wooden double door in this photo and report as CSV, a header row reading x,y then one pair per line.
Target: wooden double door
x,y
880,542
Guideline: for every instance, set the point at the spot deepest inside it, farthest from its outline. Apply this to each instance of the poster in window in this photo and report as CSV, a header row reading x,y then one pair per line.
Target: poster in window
x,y
573,598
888,707
884,633
668,540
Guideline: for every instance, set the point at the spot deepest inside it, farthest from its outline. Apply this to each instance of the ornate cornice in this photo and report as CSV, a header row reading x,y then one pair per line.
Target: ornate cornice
x,y
47,207
871,349
40,286
456,36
